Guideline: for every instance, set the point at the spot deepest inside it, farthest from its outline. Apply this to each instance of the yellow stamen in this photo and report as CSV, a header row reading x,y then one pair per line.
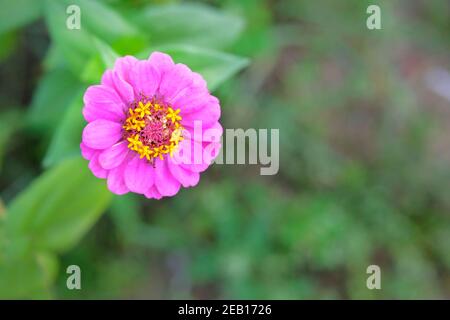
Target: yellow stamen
x,y
176,136
136,122
173,115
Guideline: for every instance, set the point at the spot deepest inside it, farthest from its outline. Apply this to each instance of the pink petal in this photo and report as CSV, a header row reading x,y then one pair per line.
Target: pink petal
x,y
123,67
213,133
101,134
102,102
139,175
144,78
114,155
165,183
161,62
198,81
195,167
189,156
209,114
211,151
112,80
208,134
153,193
116,182
195,99
96,169
175,82
87,152
185,177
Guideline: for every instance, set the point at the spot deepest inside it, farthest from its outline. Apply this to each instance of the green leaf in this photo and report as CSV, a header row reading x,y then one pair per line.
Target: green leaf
x,y
192,24
52,97
75,45
97,20
107,54
24,273
93,70
8,42
49,264
59,207
29,276
17,13
54,58
65,142
215,66
104,59
10,121
103,21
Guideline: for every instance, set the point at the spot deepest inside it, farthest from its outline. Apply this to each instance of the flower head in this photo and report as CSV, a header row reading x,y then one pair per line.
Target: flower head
x,y
152,126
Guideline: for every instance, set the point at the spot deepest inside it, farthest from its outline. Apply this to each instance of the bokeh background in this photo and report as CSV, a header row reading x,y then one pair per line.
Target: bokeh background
x,y
364,119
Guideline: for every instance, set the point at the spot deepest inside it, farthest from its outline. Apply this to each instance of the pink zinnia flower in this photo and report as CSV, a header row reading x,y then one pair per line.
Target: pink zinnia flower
x,y
152,126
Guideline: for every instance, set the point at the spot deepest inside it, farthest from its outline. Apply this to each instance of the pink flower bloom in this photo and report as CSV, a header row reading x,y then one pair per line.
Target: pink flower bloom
x,y
152,126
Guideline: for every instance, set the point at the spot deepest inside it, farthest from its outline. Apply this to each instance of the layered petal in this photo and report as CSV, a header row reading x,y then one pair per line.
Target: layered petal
x,y
189,156
153,193
101,134
165,183
204,134
145,78
186,177
116,182
175,82
87,152
123,67
213,133
125,91
102,102
139,175
114,156
96,168
195,99
162,62
208,114
210,151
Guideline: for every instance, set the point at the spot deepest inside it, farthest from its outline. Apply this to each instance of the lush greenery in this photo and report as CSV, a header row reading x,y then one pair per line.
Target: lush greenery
x,y
364,149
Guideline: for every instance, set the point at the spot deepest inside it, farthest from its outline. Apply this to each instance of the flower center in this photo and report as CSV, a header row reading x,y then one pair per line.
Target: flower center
x,y
152,129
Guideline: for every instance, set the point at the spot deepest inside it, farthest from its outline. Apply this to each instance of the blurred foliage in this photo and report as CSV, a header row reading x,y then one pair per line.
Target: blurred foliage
x,y
364,150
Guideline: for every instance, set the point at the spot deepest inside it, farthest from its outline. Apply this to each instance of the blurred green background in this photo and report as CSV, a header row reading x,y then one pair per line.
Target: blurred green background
x,y
364,119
